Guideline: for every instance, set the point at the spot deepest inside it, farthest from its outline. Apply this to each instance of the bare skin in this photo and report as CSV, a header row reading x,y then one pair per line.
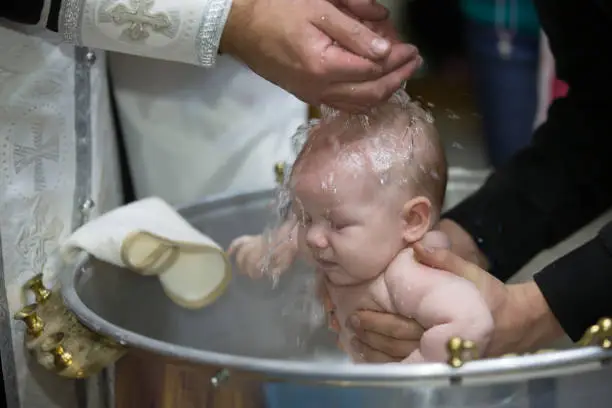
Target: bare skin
x,y
358,233
523,321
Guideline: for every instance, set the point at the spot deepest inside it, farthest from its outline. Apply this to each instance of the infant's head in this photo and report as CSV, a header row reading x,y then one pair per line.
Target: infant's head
x,y
366,187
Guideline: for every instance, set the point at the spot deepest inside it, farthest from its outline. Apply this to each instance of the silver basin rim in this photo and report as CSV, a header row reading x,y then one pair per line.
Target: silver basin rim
x,y
521,368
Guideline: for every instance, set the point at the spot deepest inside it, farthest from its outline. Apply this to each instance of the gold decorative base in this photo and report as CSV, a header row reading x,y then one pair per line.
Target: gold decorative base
x,y
461,351
58,341
313,112
279,173
599,334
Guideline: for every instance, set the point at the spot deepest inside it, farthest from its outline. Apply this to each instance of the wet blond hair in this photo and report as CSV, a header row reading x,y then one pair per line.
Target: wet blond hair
x,y
397,142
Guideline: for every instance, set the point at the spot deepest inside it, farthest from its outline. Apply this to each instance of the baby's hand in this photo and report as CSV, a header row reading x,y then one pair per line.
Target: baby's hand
x,y
253,252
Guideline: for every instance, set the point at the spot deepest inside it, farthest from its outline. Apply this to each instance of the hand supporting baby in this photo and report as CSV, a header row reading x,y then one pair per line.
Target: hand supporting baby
x,y
432,239
385,337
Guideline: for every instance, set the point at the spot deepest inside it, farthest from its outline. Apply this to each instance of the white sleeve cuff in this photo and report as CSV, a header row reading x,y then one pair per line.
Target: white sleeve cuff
x,y
184,30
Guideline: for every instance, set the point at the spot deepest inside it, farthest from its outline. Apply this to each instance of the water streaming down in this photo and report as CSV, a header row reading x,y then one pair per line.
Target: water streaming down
x,y
383,143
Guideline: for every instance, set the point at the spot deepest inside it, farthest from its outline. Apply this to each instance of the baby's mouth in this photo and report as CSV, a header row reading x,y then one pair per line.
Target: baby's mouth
x,y
326,264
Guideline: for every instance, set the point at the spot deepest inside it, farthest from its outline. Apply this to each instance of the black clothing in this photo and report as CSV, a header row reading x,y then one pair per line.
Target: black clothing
x,y
563,179
29,12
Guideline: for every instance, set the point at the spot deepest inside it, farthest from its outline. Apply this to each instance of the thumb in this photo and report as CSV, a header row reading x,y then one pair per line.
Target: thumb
x,y
442,258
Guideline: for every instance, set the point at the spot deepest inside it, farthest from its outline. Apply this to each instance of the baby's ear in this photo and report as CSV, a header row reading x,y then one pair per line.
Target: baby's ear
x,y
417,219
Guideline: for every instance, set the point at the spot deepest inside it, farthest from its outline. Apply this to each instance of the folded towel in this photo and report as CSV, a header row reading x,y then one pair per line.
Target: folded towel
x,y
149,237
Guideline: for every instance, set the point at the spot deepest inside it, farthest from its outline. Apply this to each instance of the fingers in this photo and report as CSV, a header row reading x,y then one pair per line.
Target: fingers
x,y
397,349
436,239
237,243
338,64
369,10
243,264
385,29
345,67
385,324
371,355
364,95
350,33
247,253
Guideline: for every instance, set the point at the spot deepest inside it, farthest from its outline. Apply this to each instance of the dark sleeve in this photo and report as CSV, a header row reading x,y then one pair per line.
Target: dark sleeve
x,y
30,12
563,179
578,286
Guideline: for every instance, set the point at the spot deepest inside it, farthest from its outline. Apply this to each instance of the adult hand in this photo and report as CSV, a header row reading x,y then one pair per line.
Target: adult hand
x,y
319,53
523,321
384,337
371,14
367,10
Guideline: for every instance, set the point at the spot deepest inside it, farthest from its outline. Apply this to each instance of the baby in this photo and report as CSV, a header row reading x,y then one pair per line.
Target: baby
x,y
363,191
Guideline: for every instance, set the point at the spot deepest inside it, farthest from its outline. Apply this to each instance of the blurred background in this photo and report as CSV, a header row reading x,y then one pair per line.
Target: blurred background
x,y
488,78
480,78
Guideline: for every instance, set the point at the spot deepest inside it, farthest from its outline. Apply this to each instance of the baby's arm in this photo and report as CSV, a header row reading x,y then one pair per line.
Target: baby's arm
x,y
449,306
453,309
279,249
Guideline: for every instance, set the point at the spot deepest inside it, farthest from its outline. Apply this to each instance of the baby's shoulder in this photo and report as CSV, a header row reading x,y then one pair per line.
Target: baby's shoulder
x,y
403,262
404,256
405,267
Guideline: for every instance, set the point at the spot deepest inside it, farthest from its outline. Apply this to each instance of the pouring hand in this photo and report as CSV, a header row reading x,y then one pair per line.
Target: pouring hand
x,y
315,51
373,15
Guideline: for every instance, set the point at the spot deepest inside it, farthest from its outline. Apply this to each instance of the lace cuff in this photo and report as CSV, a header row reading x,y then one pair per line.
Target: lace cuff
x,y
185,31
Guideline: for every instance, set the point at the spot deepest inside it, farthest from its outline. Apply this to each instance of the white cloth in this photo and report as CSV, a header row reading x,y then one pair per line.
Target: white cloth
x,y
187,30
151,238
58,158
191,132
47,172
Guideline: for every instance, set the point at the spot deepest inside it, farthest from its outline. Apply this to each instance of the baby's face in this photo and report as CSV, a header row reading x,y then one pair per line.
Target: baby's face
x,y
347,225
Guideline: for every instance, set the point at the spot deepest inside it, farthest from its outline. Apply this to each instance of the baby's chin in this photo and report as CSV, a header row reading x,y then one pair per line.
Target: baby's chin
x,y
339,277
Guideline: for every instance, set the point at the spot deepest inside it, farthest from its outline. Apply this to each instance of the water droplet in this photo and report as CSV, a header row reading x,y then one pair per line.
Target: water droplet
x,y
452,115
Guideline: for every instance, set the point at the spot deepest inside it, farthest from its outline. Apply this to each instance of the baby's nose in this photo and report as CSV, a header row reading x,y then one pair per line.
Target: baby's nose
x,y
315,238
